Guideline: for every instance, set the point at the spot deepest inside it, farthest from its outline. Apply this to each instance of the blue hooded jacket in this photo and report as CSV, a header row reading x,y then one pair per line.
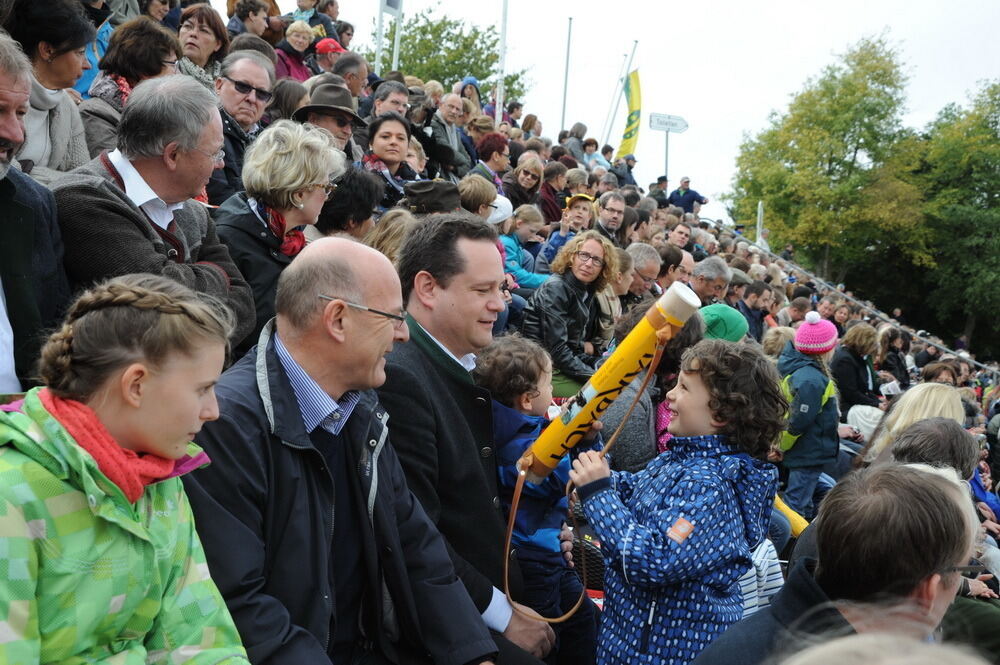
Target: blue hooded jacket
x,y
677,537
809,419
543,507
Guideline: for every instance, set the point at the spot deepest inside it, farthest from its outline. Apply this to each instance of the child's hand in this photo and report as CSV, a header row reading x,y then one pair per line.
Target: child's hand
x,y
588,467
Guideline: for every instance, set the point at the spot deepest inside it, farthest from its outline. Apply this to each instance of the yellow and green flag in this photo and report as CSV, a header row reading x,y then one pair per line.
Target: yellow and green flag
x,y
634,97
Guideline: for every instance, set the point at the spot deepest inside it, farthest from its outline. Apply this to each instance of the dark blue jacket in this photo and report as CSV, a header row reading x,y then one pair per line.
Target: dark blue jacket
x,y
265,513
685,199
676,538
543,507
35,288
814,423
755,319
799,611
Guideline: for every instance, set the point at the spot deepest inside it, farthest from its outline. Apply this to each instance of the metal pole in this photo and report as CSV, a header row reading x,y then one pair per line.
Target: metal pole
x,y
666,153
498,106
398,25
618,82
379,34
569,39
760,220
621,92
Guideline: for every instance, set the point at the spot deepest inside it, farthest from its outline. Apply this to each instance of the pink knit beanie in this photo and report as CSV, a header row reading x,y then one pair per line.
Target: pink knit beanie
x,y
815,336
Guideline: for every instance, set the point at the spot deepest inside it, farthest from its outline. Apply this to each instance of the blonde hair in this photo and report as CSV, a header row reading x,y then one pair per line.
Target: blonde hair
x,y
862,339
413,82
476,192
433,88
480,123
525,213
128,319
880,648
469,106
775,340
924,400
564,259
516,133
387,236
298,26
417,148
289,157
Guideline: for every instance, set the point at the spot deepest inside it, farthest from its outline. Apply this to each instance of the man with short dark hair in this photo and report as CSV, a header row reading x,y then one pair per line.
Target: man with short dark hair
x,y
319,548
244,89
794,312
862,580
390,96
133,209
610,216
754,304
680,235
451,276
34,290
514,111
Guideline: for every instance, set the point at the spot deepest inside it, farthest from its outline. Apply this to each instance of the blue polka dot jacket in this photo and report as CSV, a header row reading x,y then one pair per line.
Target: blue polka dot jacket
x,y
676,538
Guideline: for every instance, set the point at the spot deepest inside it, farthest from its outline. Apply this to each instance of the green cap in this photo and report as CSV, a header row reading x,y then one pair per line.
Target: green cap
x,y
724,322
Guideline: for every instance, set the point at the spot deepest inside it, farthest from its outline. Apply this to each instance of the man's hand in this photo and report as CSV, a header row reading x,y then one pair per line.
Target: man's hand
x,y
588,467
566,544
535,637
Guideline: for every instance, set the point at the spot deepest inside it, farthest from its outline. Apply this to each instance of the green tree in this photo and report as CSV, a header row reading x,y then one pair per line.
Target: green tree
x,y
962,181
833,170
448,50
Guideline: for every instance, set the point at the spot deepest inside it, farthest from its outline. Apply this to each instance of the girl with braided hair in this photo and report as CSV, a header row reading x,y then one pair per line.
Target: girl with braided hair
x,y
100,552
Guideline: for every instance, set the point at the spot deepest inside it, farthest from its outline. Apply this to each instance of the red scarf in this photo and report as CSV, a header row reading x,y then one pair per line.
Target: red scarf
x,y
126,469
124,89
293,241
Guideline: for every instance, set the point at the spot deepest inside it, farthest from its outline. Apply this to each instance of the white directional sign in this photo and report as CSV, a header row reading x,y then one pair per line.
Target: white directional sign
x,y
662,122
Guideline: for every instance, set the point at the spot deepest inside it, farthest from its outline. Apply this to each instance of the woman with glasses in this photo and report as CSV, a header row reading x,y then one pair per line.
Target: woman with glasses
x,y
205,42
54,35
287,176
521,185
139,49
560,311
388,142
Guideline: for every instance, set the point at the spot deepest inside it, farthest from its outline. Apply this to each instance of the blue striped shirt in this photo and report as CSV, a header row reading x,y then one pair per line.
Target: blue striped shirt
x,y
317,407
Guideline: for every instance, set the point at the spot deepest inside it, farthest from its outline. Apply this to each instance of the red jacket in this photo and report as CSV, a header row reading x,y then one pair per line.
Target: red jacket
x,y
547,201
290,65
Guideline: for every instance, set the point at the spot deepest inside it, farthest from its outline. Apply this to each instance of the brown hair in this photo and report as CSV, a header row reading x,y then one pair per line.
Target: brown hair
x,y
861,338
564,259
132,318
138,48
510,367
203,12
744,392
932,371
475,192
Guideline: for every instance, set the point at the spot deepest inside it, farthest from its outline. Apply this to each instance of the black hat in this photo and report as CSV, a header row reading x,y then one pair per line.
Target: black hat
x,y
662,178
329,97
424,197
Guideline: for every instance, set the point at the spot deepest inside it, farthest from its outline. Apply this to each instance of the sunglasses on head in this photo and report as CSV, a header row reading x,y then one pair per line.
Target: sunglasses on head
x,y
245,88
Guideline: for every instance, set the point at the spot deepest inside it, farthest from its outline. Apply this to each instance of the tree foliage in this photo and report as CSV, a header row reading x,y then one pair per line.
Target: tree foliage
x,y
906,217
448,50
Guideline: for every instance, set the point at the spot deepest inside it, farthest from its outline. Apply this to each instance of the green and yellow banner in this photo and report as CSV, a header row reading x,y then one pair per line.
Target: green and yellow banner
x,y
634,97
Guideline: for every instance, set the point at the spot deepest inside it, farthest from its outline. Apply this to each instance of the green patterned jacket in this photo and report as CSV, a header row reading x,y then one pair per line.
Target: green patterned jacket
x,y
87,577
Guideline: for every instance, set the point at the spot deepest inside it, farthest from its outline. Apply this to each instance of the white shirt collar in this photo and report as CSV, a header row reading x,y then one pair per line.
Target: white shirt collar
x,y
468,361
141,194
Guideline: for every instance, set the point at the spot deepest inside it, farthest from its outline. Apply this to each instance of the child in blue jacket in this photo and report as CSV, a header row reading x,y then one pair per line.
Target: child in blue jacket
x,y
518,373
678,535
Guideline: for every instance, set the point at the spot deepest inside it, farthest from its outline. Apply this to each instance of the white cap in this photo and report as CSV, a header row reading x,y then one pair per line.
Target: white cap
x,y
502,210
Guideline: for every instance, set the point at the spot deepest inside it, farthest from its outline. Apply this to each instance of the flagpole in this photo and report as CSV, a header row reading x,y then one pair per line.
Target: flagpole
x,y
569,39
618,99
398,25
618,82
498,105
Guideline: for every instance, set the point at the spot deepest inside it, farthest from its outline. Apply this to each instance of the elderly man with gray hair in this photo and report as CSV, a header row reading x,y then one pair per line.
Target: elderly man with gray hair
x,y
710,279
132,210
244,89
646,262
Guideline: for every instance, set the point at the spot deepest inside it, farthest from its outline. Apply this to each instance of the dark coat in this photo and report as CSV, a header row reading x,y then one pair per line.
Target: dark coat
x,y
895,364
442,430
814,423
755,319
229,179
35,288
256,252
264,509
518,195
557,317
801,609
548,204
106,235
850,372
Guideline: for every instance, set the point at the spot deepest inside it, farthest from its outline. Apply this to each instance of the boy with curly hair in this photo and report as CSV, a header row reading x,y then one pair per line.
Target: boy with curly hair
x,y
678,535
518,374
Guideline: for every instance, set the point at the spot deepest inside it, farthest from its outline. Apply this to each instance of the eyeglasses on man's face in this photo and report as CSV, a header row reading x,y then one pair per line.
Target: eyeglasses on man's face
x,y
399,319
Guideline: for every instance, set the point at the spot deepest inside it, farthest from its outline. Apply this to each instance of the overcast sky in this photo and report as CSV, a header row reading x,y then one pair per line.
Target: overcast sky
x,y
723,65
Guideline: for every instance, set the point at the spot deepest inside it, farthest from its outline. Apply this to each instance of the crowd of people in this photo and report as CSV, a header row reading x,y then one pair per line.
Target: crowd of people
x,y
275,332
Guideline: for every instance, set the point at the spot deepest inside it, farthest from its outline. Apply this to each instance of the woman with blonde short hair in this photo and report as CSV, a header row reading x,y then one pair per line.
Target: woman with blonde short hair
x,y
925,400
287,176
522,184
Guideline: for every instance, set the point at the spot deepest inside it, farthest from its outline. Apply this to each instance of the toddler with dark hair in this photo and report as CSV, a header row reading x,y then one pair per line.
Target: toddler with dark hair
x,y
678,535
518,374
